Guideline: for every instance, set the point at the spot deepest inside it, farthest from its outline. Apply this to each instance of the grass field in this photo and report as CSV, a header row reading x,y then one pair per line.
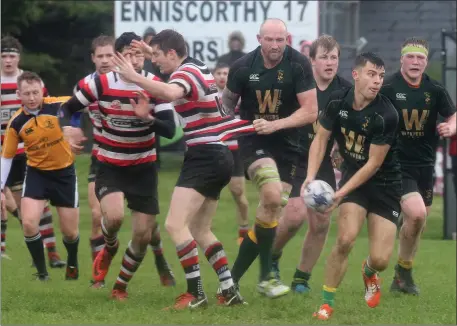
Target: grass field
x,y
25,301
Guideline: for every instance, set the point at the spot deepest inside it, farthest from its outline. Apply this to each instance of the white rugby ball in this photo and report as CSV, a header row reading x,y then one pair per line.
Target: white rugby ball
x,y
318,195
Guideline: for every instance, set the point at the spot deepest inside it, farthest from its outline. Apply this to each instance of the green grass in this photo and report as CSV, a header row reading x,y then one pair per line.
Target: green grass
x,y
25,301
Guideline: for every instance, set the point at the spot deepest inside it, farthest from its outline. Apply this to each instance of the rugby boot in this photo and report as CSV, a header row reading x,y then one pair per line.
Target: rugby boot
x,y
167,277
42,277
230,297
71,273
403,281
272,288
97,285
300,285
189,301
55,261
324,312
119,294
372,288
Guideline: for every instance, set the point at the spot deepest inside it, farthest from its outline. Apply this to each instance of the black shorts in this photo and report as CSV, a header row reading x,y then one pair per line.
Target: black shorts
x,y
94,162
17,173
253,148
418,179
138,183
206,169
60,187
238,169
325,173
377,199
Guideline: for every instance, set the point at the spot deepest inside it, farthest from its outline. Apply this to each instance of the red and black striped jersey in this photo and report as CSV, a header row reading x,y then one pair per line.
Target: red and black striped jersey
x,y
232,144
94,114
10,103
203,121
125,140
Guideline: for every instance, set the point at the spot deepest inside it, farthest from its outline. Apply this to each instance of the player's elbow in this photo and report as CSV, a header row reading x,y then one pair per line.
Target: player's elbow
x,y
375,163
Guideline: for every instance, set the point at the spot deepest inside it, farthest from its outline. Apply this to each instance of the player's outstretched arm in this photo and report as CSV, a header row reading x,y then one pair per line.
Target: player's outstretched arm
x,y
229,101
167,92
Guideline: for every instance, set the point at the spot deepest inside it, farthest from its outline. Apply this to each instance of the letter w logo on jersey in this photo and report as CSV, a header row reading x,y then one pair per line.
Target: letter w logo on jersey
x,y
354,142
414,119
268,100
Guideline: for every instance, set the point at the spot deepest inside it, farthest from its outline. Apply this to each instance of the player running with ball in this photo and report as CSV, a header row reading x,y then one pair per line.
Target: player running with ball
x,y
364,124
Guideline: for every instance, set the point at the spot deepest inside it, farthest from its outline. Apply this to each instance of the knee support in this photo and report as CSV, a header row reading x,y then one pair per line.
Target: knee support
x,y
264,175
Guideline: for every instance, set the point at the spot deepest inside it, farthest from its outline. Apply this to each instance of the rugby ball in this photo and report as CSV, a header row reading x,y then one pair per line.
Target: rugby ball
x,y
318,195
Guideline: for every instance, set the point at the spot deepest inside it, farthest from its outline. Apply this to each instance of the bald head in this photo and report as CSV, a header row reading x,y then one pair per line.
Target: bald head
x,y
273,39
273,25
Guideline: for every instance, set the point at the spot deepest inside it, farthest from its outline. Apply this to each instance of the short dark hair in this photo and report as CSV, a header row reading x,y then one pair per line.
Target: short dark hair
x,y
29,77
363,58
102,40
9,42
124,40
327,42
221,65
169,39
416,41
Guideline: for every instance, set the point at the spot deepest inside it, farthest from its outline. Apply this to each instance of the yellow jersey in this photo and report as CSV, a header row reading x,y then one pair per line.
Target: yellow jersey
x,y
43,139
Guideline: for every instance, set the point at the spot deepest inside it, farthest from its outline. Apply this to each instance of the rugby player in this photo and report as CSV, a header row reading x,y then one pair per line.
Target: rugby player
x,y
127,154
50,173
364,124
11,50
207,166
277,91
237,182
419,101
102,52
324,54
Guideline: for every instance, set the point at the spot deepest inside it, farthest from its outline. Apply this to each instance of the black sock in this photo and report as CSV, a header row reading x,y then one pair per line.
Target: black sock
x,y
246,255
35,246
265,238
276,256
72,250
302,275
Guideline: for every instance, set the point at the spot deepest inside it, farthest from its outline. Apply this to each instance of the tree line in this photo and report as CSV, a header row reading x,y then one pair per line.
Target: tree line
x,y
56,37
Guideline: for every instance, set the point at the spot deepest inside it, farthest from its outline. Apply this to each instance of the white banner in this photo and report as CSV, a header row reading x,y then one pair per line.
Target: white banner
x,y
206,25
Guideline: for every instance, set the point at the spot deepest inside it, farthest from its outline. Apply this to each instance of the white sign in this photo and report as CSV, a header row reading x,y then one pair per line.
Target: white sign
x,y
206,25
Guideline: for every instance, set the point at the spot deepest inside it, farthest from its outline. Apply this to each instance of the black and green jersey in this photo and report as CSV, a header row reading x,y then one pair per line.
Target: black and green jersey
x,y
419,108
271,94
309,131
356,130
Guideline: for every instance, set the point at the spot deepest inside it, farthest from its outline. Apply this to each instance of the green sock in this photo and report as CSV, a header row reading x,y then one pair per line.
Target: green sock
x,y
246,255
305,276
329,295
368,270
265,238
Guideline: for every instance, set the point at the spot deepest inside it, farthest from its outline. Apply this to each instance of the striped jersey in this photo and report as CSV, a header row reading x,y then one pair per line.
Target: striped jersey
x,y
204,122
232,144
10,103
125,140
94,114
